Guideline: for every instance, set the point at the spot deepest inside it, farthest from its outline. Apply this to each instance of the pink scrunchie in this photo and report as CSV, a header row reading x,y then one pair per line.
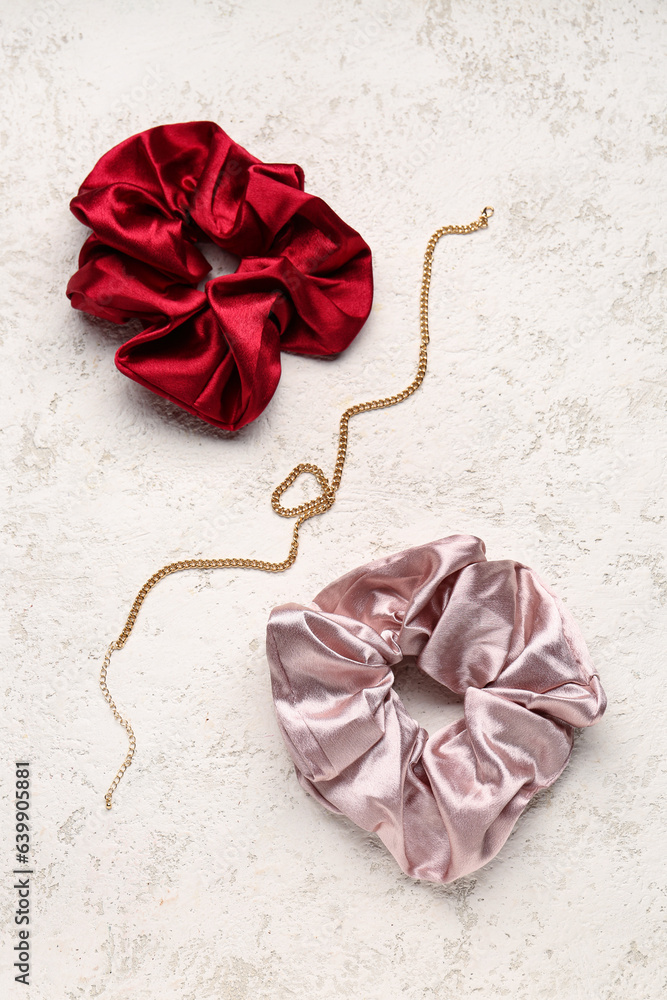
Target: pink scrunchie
x,y
492,631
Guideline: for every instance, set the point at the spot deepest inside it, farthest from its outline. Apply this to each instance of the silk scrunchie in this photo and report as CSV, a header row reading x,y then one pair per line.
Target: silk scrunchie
x,y
304,283
491,631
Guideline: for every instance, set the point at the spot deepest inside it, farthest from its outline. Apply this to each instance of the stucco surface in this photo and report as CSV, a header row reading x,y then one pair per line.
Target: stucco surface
x,y
540,428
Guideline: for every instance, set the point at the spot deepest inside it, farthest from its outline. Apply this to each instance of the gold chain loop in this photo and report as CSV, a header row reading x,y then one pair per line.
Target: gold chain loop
x,y
302,512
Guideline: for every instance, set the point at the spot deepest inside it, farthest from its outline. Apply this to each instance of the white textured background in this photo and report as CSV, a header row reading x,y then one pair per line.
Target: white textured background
x,y
541,428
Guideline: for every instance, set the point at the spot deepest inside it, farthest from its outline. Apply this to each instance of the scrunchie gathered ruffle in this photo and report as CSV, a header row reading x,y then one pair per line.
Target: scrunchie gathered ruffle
x,y
491,631
304,282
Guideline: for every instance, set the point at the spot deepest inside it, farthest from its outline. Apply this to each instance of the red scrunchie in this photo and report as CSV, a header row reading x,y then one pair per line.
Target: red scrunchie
x,y
304,283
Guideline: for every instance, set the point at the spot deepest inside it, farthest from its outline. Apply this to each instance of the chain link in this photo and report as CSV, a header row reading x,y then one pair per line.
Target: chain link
x,y
303,512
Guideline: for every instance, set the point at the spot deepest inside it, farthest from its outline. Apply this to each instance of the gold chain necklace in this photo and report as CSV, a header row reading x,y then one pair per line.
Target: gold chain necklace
x,y
303,511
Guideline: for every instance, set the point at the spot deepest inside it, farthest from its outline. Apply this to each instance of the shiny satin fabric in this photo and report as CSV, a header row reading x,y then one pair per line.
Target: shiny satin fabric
x,y
492,632
304,282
